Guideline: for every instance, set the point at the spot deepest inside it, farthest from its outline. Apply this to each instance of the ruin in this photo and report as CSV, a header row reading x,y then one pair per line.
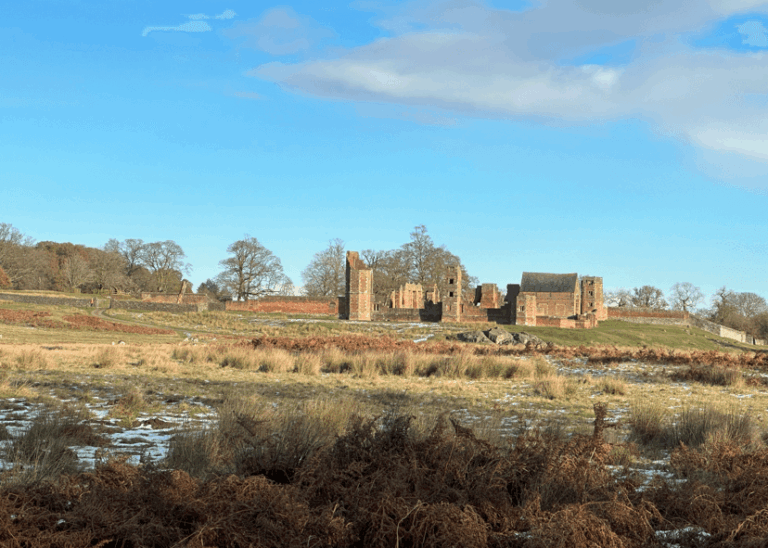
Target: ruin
x,y
556,300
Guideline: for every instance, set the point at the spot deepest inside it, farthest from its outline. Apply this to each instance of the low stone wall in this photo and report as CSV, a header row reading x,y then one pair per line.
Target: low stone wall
x,y
55,301
288,305
157,307
566,323
648,315
171,298
721,330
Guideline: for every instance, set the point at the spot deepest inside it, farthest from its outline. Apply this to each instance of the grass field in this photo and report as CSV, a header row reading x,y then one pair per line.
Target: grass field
x,y
613,414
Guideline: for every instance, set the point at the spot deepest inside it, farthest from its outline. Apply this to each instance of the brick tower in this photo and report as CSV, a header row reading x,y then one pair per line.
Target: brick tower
x,y
359,288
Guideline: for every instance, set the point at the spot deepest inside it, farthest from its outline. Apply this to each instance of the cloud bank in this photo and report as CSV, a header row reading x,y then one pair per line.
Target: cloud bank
x,y
466,57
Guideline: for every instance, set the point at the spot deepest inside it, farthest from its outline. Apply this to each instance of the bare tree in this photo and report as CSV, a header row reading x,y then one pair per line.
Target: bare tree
x,y
750,304
165,261
17,258
325,274
75,271
132,251
109,267
685,296
429,263
618,297
648,296
251,271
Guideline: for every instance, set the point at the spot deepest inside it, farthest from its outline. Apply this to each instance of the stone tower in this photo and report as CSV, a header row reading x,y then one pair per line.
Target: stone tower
x,y
359,288
592,297
452,302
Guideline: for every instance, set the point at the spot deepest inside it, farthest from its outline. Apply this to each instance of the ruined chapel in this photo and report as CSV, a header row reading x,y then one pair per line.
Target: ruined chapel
x,y
556,300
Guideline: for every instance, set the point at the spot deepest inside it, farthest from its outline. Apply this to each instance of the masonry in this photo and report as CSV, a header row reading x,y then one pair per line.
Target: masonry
x,y
558,300
289,305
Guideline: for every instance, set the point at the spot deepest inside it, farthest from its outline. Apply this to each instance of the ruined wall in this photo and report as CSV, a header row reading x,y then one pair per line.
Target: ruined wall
x,y
288,305
526,309
359,289
479,314
408,296
487,296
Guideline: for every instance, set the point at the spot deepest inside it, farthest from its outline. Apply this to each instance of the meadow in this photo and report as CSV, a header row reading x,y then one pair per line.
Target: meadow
x,y
230,429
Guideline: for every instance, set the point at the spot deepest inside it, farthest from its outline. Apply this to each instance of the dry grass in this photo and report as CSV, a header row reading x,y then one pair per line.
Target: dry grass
x,y
653,424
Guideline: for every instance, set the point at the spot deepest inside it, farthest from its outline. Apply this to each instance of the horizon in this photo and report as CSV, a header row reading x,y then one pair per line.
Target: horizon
x,y
621,141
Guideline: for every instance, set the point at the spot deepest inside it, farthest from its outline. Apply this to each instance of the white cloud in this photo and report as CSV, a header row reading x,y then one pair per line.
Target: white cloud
x,y
226,14
191,26
755,34
279,31
196,23
461,56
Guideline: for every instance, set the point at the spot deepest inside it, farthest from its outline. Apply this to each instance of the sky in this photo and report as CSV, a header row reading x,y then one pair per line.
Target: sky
x,y
618,139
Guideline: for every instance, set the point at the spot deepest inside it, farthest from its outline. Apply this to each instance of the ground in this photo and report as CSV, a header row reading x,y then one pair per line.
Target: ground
x,y
135,386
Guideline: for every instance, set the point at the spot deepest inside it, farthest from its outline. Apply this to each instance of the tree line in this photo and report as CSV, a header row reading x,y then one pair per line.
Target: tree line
x,y
250,271
745,311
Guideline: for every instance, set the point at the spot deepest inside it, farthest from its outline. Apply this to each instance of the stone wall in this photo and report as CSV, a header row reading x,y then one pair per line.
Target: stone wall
x,y
649,316
583,322
157,307
55,301
173,298
288,305
719,330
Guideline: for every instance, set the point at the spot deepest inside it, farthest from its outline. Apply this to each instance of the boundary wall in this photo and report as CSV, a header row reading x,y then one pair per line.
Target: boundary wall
x,y
677,317
289,305
649,315
112,303
56,301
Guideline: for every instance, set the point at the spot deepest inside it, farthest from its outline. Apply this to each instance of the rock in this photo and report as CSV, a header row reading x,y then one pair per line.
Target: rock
x,y
525,338
500,336
473,337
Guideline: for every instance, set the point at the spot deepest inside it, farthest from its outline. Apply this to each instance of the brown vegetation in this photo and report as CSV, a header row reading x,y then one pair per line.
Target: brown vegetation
x,y
384,482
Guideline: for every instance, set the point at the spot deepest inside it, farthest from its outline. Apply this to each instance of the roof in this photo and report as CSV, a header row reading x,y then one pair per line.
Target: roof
x,y
538,282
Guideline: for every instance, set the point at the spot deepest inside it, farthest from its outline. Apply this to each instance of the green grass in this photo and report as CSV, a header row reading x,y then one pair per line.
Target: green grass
x,y
618,333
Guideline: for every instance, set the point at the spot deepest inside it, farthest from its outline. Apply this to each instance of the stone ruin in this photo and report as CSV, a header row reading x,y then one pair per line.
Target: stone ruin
x,y
541,299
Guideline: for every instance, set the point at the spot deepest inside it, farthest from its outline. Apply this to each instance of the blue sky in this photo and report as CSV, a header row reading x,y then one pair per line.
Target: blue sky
x,y
621,139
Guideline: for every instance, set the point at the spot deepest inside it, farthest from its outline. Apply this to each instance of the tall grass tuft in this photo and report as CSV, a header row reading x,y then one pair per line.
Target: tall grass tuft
x,y
41,451
653,425
309,363
31,359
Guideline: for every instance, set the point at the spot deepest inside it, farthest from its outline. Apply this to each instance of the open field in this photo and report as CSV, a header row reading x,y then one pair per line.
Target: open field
x,y
330,433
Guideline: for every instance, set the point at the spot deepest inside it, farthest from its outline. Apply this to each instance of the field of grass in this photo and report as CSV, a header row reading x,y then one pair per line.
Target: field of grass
x,y
429,433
